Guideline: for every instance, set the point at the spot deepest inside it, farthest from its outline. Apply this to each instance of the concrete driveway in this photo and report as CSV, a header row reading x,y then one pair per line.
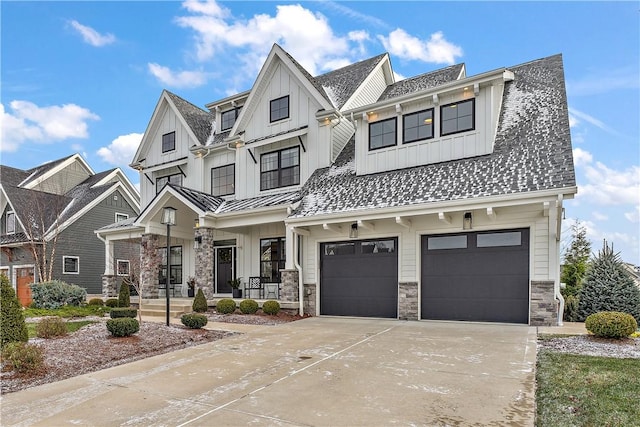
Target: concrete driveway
x,y
314,372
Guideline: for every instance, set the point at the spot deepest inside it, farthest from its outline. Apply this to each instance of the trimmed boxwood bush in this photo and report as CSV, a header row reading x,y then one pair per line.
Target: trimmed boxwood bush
x,y
96,301
611,324
200,302
194,320
248,306
119,312
226,306
50,327
111,302
23,358
123,327
12,325
124,296
55,294
271,307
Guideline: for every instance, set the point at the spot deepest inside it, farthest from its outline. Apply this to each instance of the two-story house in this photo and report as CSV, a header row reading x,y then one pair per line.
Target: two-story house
x,y
49,213
436,197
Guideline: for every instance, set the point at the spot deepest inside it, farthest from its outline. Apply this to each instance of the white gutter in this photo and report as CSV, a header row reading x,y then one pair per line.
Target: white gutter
x,y
296,264
556,288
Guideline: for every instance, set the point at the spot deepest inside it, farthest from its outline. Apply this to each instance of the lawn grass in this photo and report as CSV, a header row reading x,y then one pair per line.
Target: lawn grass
x,y
575,390
67,311
71,326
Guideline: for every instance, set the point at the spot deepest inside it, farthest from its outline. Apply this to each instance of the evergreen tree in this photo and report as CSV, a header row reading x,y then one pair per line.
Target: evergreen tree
x,y
124,297
576,260
12,325
200,302
608,287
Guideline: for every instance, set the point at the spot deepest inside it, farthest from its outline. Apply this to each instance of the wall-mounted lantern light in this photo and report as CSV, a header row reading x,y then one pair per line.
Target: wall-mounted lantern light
x,y
353,233
467,220
196,242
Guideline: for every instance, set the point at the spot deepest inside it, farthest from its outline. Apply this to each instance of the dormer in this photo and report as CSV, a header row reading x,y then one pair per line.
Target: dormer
x,y
227,110
443,121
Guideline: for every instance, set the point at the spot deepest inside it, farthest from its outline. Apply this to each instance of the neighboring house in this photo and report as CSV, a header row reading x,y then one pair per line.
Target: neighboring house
x,y
57,206
435,197
634,272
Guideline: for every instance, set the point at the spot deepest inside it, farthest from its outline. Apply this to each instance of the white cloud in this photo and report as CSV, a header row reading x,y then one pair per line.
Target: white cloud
x,y
578,116
28,122
605,186
91,36
179,79
581,157
436,50
600,216
354,14
121,150
633,216
608,80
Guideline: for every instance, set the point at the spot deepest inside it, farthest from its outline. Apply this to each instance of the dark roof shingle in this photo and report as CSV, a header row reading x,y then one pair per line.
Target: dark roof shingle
x,y
422,82
199,120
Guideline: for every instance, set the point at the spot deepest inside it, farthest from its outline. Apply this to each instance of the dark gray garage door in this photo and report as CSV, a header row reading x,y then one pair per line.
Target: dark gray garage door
x,y
482,276
359,278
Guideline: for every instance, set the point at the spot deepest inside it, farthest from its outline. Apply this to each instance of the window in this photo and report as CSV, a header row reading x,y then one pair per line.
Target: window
x,y
121,216
223,180
279,109
168,142
280,168
163,180
122,267
417,126
382,134
332,249
272,258
491,240
175,265
11,222
378,247
228,118
447,242
70,265
458,117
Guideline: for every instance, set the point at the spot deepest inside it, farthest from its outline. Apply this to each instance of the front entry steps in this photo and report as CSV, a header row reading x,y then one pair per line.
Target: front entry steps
x,y
158,307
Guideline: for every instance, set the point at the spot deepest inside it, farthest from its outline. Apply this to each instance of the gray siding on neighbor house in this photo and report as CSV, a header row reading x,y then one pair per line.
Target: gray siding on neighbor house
x,y
80,240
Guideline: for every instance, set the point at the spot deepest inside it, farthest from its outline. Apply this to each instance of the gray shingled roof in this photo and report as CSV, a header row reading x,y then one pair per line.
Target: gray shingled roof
x,y
199,120
12,176
532,152
204,201
34,173
422,82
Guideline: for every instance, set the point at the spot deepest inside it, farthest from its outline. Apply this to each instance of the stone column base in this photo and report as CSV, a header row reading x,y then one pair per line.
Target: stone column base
x,y
408,301
109,286
543,305
289,283
310,299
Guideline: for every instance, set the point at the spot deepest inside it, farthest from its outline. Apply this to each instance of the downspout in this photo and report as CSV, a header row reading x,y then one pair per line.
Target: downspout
x,y
557,292
296,264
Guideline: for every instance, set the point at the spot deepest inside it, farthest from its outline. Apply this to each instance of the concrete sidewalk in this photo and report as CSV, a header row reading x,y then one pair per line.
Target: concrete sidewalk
x,y
313,372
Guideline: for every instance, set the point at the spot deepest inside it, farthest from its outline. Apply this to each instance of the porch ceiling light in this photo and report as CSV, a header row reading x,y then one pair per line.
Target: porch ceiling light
x,y
353,233
169,216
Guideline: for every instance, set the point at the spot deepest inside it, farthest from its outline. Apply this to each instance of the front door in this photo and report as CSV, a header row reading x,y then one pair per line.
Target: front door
x,y
24,277
225,263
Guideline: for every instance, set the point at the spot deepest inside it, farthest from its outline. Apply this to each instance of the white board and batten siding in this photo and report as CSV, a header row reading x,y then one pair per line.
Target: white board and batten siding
x,y
216,160
370,91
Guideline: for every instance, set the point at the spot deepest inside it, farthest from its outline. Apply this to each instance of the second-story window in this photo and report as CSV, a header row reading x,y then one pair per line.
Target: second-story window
x,y
10,226
168,142
164,180
382,134
280,168
279,109
457,117
417,126
223,180
228,118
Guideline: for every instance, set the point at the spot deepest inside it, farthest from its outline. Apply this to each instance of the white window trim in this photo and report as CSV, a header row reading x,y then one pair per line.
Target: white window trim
x,y
70,272
6,223
118,261
121,214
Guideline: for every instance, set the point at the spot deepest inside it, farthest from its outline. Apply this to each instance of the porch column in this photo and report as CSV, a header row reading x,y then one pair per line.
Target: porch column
x,y
289,248
149,266
109,279
108,257
204,260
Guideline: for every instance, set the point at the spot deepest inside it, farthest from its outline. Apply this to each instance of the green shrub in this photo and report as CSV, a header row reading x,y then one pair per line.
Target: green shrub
x,y
124,296
55,294
111,302
194,320
226,306
571,303
96,301
611,324
200,302
51,327
271,307
123,327
12,325
248,306
23,358
119,312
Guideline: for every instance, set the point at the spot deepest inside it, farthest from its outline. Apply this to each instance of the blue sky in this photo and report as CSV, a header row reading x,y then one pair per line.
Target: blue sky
x,y
85,76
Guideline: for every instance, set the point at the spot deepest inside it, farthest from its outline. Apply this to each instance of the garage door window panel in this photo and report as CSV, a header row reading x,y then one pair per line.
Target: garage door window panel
x,y
490,240
447,242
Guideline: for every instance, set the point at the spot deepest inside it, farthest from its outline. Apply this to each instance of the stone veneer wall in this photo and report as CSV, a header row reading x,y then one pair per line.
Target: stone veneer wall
x,y
543,305
109,286
204,262
150,264
408,301
289,285
310,299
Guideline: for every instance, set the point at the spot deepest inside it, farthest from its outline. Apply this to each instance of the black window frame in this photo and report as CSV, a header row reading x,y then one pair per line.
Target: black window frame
x,y
395,133
279,109
235,111
233,183
64,264
165,142
420,124
280,170
473,117
267,265
168,177
162,278
10,215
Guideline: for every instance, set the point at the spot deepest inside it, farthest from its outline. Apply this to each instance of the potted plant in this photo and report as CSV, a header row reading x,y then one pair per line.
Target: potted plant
x,y
191,283
235,287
